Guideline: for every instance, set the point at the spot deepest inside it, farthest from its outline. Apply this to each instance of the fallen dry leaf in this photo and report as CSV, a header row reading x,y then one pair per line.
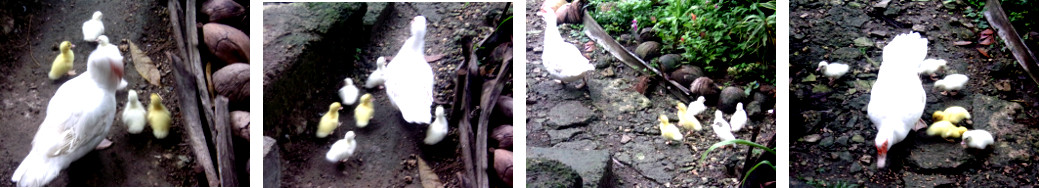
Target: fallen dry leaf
x,y
962,43
428,177
143,64
984,52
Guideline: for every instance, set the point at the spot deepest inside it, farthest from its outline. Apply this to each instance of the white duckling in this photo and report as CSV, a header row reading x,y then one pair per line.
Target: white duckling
x,y
721,127
134,114
739,118
696,107
378,77
409,78
342,149
931,66
437,129
79,116
93,28
897,98
349,92
833,70
951,83
561,59
977,139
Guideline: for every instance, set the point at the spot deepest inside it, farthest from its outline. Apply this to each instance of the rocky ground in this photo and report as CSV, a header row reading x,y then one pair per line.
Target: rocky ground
x,y
32,32
609,118
831,136
311,67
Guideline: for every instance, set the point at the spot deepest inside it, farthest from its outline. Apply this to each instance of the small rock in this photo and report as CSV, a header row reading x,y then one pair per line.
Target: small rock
x,y
569,113
855,167
826,142
863,42
408,179
648,50
812,138
919,28
625,138
858,138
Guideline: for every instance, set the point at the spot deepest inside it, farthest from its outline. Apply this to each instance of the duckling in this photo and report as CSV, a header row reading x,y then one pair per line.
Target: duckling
x,y
931,66
668,130
686,119
377,77
721,127
63,63
953,114
93,28
349,92
696,107
438,129
158,117
833,70
364,111
342,149
134,115
945,129
739,118
329,121
951,83
977,139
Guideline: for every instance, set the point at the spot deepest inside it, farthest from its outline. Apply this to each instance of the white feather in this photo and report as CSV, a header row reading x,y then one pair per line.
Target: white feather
x,y
93,28
562,60
133,114
349,92
438,129
409,81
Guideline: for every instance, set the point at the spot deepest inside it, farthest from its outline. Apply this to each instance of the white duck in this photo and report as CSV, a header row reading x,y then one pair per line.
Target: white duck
x,y
721,127
342,149
79,117
930,66
107,49
93,28
562,60
977,139
739,118
952,82
349,92
409,78
696,107
897,98
134,113
378,77
438,129
833,70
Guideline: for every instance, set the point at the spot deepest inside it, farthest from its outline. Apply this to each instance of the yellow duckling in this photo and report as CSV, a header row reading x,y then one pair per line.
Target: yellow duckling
x,y
687,120
158,117
63,63
329,121
668,130
945,129
364,111
953,114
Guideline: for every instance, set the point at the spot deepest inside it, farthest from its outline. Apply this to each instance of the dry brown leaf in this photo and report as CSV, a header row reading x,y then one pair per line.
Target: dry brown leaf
x,y
962,43
143,64
984,52
428,177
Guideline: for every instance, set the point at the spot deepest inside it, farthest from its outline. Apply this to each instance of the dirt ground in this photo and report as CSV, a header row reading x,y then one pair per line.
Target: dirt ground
x,y
624,122
831,136
33,31
388,146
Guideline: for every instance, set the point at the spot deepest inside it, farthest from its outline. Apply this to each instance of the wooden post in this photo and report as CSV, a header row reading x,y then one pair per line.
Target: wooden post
x,y
189,111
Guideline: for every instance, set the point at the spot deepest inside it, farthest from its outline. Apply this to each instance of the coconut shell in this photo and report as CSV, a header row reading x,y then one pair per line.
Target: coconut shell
x,y
648,34
503,134
703,86
232,81
648,50
227,43
670,62
503,165
686,74
728,99
240,124
223,11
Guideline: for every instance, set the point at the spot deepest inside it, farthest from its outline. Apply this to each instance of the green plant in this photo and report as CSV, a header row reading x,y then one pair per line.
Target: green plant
x,y
744,142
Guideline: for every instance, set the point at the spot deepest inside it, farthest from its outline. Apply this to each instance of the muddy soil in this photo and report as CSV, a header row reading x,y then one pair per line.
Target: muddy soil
x,y
624,122
388,146
831,136
36,29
